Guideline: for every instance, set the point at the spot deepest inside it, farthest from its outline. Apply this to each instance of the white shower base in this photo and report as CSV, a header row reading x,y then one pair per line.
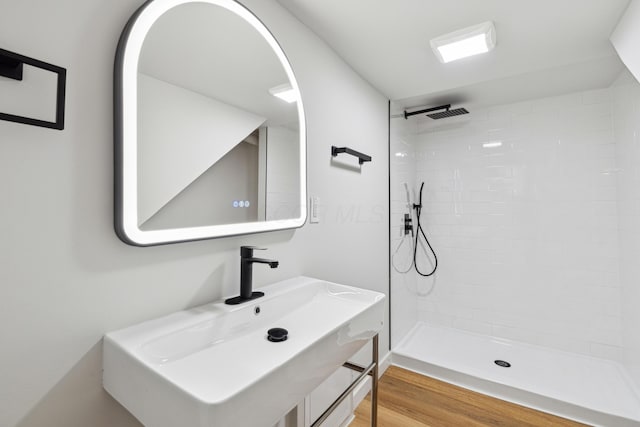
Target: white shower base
x,y
582,388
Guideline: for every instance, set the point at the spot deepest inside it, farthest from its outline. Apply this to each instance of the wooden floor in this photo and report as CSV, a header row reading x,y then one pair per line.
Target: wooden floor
x,y
407,399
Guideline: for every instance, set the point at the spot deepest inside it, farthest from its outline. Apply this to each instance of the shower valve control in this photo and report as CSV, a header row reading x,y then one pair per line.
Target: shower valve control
x,y
408,224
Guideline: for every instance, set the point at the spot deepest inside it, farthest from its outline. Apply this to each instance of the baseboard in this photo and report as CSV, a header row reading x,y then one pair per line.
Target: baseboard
x,y
348,421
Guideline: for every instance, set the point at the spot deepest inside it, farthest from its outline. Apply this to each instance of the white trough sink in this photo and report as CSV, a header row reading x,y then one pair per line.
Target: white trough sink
x,y
213,365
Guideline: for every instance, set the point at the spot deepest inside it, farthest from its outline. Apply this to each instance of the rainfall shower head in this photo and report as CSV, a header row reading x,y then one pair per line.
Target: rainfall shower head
x,y
448,112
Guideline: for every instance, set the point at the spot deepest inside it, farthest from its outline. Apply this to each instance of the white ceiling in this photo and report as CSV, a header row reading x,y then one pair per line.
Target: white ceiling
x,y
188,46
544,47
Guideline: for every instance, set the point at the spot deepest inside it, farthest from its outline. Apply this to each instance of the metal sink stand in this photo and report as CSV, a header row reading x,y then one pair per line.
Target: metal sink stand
x,y
371,370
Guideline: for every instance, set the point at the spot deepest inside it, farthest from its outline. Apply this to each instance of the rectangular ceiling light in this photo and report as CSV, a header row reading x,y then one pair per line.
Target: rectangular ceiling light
x,y
284,92
492,144
469,41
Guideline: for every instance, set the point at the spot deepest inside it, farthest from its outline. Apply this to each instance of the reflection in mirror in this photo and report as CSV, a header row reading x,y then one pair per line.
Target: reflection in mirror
x,y
212,147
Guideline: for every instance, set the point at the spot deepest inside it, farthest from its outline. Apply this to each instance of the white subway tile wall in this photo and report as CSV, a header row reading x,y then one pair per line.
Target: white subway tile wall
x,y
626,116
520,203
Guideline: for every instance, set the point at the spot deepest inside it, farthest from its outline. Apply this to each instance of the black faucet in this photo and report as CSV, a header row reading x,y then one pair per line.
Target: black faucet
x,y
246,275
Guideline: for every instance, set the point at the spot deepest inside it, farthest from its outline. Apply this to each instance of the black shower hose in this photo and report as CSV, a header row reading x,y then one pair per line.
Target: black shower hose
x,y
420,231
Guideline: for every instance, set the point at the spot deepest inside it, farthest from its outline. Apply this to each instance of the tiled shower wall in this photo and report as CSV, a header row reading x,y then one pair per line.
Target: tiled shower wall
x,y
520,204
626,114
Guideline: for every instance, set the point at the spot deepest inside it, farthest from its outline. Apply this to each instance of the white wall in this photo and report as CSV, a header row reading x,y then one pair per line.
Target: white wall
x,y
176,128
626,36
282,172
204,201
626,114
526,232
65,277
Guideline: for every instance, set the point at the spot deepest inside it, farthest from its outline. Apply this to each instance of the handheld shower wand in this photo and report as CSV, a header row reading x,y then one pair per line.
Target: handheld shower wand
x,y
415,236
408,221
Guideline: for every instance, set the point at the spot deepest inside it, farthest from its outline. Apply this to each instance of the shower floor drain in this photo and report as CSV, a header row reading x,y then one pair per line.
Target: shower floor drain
x,y
502,363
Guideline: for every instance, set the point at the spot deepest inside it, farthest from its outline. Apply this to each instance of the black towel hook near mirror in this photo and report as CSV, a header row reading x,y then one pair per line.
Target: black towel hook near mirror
x,y
361,156
12,66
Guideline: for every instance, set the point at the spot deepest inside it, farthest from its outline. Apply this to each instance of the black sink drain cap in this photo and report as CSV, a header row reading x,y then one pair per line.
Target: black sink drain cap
x,y
277,334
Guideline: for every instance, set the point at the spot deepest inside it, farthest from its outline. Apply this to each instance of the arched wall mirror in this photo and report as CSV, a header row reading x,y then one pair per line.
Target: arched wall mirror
x,y
210,136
